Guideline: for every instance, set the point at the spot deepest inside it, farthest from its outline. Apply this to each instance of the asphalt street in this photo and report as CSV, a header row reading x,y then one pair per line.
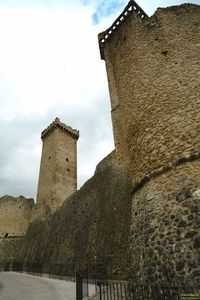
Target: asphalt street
x,y
17,286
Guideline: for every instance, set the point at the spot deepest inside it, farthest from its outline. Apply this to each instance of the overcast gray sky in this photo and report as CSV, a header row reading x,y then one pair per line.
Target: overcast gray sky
x,y
50,67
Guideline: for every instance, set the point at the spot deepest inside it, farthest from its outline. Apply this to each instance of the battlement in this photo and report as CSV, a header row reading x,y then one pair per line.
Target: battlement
x,y
132,7
57,124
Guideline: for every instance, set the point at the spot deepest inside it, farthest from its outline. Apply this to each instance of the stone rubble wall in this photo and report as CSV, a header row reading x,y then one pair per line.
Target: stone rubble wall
x,y
153,68
15,216
92,225
165,235
11,249
153,74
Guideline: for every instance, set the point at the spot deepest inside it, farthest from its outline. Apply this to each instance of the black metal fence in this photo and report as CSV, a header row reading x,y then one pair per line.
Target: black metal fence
x,y
111,290
82,287
108,289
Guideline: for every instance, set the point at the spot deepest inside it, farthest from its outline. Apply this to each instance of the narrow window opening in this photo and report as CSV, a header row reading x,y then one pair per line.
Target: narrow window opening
x,y
164,52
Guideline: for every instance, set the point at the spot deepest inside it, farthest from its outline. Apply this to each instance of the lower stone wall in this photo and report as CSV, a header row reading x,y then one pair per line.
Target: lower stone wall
x,y
15,215
153,236
165,227
91,227
11,249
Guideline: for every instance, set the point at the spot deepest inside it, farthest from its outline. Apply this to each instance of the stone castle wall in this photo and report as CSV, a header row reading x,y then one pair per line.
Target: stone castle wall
x,y
153,71
165,236
156,78
11,249
90,226
15,216
142,221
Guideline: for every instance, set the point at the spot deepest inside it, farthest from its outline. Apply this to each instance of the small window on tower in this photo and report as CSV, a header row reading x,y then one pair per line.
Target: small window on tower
x,y
68,170
67,159
49,157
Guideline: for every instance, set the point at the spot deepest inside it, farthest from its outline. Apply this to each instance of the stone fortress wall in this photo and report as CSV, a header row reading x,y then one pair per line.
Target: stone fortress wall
x,y
140,212
97,216
16,215
156,78
92,225
153,74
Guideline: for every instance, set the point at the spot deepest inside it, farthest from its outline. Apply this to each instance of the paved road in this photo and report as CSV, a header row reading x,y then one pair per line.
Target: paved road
x,y
16,286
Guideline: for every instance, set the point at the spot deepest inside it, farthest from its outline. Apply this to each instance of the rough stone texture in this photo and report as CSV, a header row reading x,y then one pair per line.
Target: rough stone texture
x,y
165,231
153,74
11,249
90,226
154,71
15,216
58,170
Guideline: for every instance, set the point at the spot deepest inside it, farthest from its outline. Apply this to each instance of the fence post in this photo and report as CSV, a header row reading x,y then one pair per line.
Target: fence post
x,y
100,289
79,286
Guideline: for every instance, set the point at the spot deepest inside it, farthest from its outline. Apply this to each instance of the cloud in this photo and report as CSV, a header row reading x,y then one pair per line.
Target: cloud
x,y
103,8
47,4
50,66
20,154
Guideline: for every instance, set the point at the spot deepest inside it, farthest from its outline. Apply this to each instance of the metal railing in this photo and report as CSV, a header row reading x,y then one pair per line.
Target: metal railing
x,y
82,288
115,290
109,289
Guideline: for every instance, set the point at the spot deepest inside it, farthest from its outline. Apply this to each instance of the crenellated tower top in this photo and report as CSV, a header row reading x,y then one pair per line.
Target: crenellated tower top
x,y
57,124
132,7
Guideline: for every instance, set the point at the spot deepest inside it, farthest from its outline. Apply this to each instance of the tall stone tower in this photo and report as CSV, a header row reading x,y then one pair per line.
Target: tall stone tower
x,y
58,168
153,68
